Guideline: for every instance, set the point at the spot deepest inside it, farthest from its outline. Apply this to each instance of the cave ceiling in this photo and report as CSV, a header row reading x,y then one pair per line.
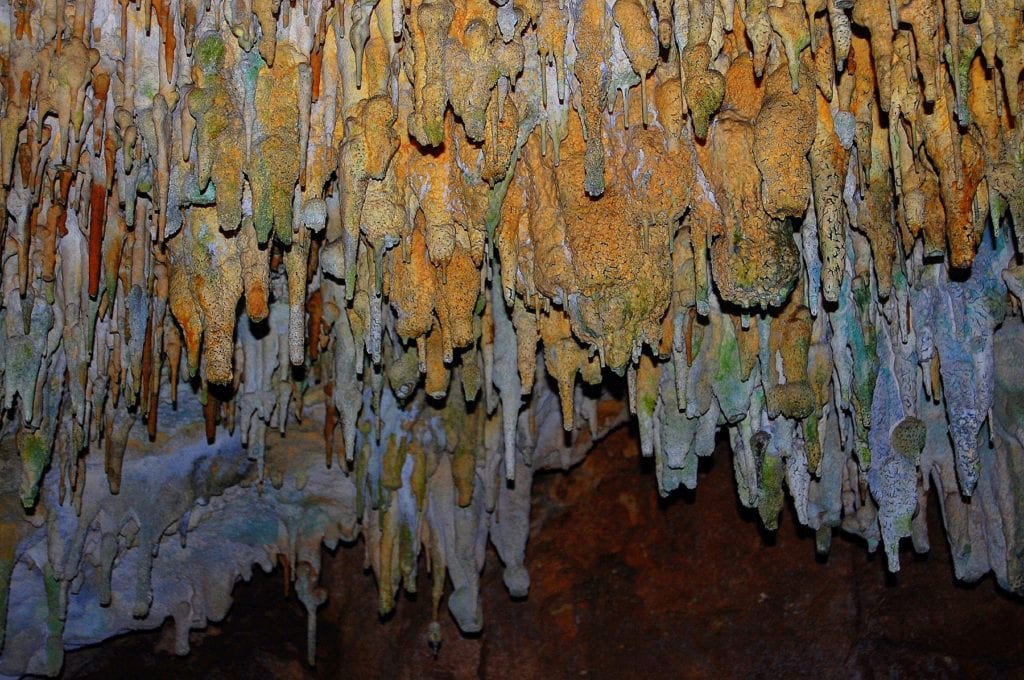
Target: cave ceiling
x,y
276,275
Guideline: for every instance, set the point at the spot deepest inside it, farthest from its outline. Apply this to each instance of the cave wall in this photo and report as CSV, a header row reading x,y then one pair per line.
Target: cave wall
x,y
276,275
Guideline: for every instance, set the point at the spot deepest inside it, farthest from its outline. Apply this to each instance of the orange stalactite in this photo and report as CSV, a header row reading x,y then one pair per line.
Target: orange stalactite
x,y
97,220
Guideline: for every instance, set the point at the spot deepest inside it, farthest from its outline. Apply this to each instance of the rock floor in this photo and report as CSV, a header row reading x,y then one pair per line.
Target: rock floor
x,y
624,585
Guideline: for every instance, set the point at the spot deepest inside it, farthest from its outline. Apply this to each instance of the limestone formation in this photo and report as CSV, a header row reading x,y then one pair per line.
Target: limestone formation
x,y
423,240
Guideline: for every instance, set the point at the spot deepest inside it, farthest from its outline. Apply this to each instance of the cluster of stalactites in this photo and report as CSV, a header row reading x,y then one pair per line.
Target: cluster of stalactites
x,y
796,221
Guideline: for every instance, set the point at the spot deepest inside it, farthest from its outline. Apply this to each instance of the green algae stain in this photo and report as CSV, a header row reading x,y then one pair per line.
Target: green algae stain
x,y
35,456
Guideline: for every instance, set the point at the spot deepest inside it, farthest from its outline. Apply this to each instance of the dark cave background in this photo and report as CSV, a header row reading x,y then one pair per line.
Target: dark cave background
x,y
624,585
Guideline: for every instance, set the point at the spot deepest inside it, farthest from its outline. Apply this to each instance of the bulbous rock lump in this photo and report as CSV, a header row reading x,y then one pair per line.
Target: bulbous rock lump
x,y
429,243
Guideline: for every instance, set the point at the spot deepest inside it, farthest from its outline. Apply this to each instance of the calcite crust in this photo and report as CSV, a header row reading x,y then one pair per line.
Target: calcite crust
x,y
426,239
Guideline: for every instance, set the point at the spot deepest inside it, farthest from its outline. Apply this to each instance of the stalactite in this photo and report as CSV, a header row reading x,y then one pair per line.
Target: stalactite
x,y
432,238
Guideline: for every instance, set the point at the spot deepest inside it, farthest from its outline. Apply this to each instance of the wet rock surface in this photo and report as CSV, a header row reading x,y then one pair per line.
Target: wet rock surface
x,y
624,585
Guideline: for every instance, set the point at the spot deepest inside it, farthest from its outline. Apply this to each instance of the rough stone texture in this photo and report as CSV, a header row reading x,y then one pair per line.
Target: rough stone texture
x,y
275,275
